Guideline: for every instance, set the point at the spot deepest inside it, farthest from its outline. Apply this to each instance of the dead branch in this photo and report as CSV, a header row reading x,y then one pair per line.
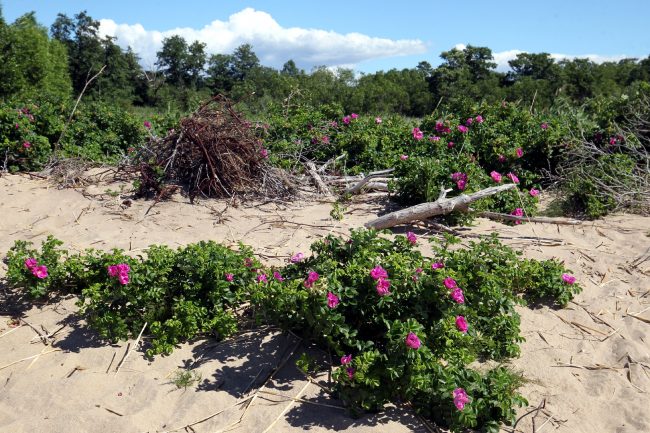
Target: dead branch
x,y
441,206
544,220
357,188
320,185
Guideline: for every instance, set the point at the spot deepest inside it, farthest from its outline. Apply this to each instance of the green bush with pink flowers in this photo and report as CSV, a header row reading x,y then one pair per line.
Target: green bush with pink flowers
x,y
404,327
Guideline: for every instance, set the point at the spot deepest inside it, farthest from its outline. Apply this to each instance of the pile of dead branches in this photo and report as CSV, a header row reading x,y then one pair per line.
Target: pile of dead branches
x,y
213,153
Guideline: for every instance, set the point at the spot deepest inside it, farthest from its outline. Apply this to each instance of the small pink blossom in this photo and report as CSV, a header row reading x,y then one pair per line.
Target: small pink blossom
x,y
461,324
457,295
463,129
569,279
502,158
513,177
469,121
519,152
412,341
261,278
450,283
378,120
39,272
312,277
544,126
496,176
612,141
264,153
346,120
437,265
434,138
479,119
334,124
382,287
147,124
350,371
325,139
123,278
419,270
378,272
404,157
517,212
460,398
450,145
277,276
346,359
332,300
248,262
27,144
31,263
354,116
533,192
17,126
229,277
410,236
417,134
461,184
297,258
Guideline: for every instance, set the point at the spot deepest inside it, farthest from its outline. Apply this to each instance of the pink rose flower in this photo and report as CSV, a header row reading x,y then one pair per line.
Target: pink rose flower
x,y
378,120
544,126
450,283
412,341
332,300
230,277
419,270
354,115
496,176
248,262
27,144
469,121
297,258
378,272
502,158
39,272
147,124
31,263
346,120
517,212
463,129
569,279
479,119
325,139
513,177
277,276
450,145
346,359
382,287
461,324
461,184
417,134
434,138
612,141
264,153
519,152
457,295
350,372
404,157
533,192
123,278
312,277
410,236
437,265
261,278
460,398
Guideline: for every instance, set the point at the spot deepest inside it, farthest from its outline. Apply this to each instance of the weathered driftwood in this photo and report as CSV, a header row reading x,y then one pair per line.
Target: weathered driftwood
x,y
359,186
545,220
441,206
318,181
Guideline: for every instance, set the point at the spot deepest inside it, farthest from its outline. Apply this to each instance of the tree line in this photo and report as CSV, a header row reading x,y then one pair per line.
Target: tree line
x,y
57,62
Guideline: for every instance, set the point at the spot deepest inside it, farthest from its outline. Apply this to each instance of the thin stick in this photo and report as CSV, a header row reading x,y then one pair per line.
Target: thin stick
x,y
29,357
10,331
289,406
65,127
135,345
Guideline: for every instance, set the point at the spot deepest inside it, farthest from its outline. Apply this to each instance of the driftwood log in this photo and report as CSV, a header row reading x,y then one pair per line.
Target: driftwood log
x,y
376,174
441,206
318,181
546,220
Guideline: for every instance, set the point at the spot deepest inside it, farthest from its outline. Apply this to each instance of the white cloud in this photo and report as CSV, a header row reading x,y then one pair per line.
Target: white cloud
x,y
272,43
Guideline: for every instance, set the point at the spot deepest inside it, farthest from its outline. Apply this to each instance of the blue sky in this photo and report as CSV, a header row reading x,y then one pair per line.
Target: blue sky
x,y
367,35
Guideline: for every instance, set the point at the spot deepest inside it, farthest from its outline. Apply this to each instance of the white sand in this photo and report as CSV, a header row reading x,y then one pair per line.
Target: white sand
x,y
589,363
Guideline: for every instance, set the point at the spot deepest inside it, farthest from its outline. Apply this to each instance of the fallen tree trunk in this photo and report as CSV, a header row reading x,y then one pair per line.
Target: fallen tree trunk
x,y
318,181
441,206
546,220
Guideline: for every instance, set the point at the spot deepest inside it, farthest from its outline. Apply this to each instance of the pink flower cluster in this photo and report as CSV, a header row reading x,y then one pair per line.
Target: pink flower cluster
x,y
461,324
121,271
312,277
230,277
513,177
519,152
264,153
456,292
147,124
278,276
460,398
460,179
378,120
39,271
404,157
517,212
417,134
380,275
262,278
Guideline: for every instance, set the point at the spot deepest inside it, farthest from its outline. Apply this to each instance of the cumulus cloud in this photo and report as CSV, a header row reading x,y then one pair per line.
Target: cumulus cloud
x,y
272,43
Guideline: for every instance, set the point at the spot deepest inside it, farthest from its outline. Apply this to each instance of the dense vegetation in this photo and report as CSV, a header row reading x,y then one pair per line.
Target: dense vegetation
x,y
404,326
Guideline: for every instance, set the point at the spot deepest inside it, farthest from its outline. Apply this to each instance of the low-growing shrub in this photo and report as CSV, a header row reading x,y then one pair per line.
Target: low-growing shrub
x,y
406,327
